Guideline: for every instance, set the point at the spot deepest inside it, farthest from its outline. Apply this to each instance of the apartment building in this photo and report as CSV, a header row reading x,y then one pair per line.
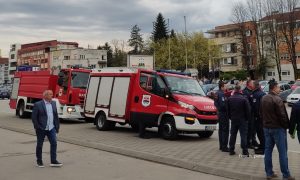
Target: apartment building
x,y
4,70
12,61
237,43
276,21
54,55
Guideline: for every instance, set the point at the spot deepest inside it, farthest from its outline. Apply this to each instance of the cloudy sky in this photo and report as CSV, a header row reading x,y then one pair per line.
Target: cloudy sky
x,y
94,22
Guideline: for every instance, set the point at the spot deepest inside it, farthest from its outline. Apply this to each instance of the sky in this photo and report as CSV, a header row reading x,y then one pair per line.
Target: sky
x,y
94,22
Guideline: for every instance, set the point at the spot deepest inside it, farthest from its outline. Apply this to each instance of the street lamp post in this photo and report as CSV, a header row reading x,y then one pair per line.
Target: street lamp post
x,y
153,23
185,42
170,64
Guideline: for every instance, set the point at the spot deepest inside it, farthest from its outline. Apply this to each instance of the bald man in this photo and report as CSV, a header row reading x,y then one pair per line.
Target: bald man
x,y
46,123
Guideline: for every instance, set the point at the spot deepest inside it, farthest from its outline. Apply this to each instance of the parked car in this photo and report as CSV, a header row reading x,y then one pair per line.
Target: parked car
x,y
296,84
228,92
4,94
293,97
285,90
208,87
263,83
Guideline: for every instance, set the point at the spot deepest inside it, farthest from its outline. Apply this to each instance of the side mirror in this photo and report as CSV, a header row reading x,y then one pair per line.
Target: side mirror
x,y
166,93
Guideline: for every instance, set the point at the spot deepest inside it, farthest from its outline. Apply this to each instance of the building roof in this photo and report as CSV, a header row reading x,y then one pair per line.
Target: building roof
x,y
42,45
283,16
3,60
227,27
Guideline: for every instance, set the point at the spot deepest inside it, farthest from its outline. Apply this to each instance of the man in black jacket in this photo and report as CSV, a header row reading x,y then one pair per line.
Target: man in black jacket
x,y
221,105
257,95
295,121
239,114
46,123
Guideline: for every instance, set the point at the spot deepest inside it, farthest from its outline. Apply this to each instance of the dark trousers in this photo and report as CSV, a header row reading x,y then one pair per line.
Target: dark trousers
x,y
223,130
260,132
142,128
251,135
40,134
242,127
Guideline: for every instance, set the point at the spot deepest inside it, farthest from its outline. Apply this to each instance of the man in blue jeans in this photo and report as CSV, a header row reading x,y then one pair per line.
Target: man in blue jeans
x,y
275,123
46,123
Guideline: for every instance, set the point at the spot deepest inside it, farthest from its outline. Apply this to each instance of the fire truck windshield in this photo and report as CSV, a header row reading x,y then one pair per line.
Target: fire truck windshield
x,y
79,80
183,85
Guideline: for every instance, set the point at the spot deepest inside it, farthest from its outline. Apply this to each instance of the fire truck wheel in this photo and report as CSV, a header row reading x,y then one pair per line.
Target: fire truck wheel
x,y
102,124
205,134
21,110
168,129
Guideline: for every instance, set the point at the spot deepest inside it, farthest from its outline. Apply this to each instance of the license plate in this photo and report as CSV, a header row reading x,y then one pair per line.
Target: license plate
x,y
210,128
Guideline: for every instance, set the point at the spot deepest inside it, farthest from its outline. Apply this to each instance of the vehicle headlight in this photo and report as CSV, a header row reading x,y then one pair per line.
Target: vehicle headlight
x,y
70,109
185,105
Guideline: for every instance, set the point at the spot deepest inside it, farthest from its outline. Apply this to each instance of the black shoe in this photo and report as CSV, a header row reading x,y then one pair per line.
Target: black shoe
x,y
56,164
245,153
231,153
225,150
40,164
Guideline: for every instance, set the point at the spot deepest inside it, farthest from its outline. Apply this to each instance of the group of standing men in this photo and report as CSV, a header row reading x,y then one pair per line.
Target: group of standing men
x,y
256,114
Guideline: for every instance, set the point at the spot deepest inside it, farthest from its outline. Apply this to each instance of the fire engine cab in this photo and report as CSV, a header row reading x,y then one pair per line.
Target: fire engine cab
x,y
173,103
68,86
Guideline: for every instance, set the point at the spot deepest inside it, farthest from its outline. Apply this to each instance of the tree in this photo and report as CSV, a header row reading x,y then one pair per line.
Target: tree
x,y
160,30
107,47
256,12
241,18
197,47
172,34
271,27
289,28
136,40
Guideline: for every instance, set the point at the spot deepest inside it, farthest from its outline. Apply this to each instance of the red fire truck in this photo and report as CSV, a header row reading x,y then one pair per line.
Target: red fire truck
x,y
173,103
68,86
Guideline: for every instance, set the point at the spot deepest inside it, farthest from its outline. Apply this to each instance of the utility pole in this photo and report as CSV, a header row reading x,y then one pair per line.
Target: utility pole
x,y
154,46
185,42
170,64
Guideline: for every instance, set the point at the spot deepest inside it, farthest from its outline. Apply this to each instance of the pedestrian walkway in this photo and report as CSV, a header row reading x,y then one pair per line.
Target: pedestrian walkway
x,y
191,153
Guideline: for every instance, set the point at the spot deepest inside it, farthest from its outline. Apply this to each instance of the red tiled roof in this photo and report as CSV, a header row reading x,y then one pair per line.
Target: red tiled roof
x,y
282,16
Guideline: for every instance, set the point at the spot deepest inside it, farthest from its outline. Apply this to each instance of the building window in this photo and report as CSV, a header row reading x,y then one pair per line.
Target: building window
x,y
285,73
249,47
230,61
66,57
93,66
248,33
103,57
271,73
12,56
82,57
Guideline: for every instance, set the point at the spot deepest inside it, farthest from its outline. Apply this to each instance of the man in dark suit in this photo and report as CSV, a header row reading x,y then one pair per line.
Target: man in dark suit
x,y
46,123
295,121
239,114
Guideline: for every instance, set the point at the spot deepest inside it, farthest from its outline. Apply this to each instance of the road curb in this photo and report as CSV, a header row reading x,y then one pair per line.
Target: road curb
x,y
149,157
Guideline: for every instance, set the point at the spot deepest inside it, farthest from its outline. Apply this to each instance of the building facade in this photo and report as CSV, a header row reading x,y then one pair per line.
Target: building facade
x,y
272,33
38,54
13,57
4,71
53,55
88,58
237,44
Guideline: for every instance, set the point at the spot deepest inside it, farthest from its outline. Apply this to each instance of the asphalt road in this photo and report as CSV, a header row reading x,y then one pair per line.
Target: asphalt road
x,y
17,161
293,144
